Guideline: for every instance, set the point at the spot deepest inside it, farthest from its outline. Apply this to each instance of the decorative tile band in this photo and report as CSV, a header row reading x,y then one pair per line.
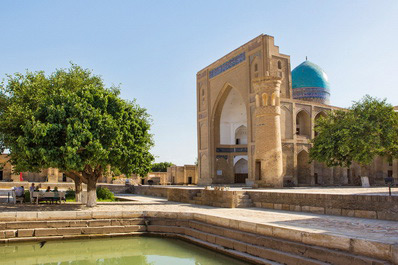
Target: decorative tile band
x,y
227,65
231,150
311,92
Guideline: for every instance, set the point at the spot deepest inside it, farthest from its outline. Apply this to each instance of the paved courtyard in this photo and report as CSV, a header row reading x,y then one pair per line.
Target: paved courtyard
x,y
370,229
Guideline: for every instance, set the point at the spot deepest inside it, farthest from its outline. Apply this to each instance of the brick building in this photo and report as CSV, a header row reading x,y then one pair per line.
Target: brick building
x,y
255,119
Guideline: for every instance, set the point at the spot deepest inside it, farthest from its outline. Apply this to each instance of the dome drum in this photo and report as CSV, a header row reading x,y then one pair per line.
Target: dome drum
x,y
310,83
316,94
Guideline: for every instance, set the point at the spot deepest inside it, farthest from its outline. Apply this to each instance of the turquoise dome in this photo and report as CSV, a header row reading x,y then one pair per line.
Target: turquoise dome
x,y
310,82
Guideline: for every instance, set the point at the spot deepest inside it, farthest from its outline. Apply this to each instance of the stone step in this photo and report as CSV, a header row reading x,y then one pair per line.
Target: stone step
x,y
319,253
322,254
40,232
70,223
258,251
231,252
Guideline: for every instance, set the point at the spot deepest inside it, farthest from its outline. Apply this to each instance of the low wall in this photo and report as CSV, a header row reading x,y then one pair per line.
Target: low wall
x,y
363,206
181,195
255,242
150,191
116,188
216,198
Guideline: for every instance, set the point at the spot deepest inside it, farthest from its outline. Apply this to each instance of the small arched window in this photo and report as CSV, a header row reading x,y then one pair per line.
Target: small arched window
x,y
279,65
257,101
241,135
265,99
255,67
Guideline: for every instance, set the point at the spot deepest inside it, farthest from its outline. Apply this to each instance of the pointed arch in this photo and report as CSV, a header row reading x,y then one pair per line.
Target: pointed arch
x,y
229,112
241,135
318,116
265,99
257,101
241,169
303,168
303,124
286,123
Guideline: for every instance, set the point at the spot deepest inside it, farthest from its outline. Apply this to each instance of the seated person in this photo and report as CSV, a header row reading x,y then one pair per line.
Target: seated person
x,y
38,187
32,188
55,189
48,189
19,191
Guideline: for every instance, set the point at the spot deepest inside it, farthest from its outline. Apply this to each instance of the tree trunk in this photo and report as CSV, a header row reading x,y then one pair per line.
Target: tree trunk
x,y
78,190
91,191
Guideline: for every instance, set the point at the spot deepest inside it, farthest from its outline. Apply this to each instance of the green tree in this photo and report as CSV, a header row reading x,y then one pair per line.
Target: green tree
x,y
369,128
71,121
161,167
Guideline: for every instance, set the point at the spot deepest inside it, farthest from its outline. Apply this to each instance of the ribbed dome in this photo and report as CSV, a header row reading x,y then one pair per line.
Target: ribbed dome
x,y
310,82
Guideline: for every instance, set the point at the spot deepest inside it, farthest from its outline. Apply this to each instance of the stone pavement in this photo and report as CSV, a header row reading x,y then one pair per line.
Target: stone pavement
x,y
369,229
374,238
377,230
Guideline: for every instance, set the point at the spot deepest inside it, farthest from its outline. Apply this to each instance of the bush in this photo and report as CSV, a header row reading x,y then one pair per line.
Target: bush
x,y
27,196
105,194
70,194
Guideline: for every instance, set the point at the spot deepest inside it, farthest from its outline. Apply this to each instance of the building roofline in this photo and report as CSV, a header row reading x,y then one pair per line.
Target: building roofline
x,y
230,53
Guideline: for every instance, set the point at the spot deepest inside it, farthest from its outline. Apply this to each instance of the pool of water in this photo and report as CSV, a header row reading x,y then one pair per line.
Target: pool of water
x,y
120,251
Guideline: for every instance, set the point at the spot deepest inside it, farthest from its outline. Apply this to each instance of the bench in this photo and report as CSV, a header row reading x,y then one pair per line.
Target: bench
x,y
51,196
16,198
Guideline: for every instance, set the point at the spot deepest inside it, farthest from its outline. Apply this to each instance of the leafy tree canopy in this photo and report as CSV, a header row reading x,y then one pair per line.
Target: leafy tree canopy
x,y
71,121
161,167
369,128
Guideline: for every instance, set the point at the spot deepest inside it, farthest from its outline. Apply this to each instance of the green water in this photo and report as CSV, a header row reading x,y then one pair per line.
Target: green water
x,y
113,251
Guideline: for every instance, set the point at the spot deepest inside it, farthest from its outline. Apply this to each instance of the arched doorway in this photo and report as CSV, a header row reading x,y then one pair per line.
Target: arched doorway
x,y
241,170
303,168
241,135
303,124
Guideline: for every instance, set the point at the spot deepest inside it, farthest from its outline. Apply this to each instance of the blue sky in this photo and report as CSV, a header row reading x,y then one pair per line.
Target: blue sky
x,y
153,49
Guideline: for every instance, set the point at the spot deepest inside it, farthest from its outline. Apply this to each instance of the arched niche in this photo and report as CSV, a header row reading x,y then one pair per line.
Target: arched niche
x,y
265,99
241,169
303,168
203,136
232,115
241,135
204,170
303,124
286,123
317,117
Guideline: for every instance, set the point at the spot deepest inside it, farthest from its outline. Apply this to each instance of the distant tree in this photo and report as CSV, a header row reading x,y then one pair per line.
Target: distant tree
x,y
70,121
369,128
161,167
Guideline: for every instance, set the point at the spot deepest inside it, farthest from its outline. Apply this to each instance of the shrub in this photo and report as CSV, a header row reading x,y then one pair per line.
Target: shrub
x,y
70,194
105,194
27,196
